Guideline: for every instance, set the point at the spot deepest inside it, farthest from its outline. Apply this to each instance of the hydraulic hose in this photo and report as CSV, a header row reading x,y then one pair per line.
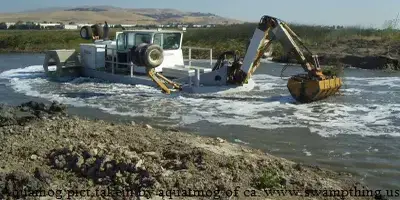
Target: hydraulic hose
x,y
222,57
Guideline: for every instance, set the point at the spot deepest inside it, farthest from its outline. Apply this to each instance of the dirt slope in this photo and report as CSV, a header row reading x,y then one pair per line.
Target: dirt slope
x,y
45,150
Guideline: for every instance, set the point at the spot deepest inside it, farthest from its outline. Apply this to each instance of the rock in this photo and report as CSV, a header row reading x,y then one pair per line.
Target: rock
x,y
34,157
94,152
42,175
133,123
220,140
152,154
172,129
298,167
131,154
147,126
167,173
57,107
18,181
139,164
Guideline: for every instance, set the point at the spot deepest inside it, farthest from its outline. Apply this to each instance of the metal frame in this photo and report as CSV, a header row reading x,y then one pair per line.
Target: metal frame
x,y
116,63
198,48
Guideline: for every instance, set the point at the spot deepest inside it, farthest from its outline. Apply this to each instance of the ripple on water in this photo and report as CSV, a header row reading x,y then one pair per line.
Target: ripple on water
x,y
267,107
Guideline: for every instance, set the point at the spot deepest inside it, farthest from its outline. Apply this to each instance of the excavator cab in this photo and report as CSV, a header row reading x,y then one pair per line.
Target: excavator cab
x,y
312,86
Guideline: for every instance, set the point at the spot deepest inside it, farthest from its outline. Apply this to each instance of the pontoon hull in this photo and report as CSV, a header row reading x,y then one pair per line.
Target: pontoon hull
x,y
145,80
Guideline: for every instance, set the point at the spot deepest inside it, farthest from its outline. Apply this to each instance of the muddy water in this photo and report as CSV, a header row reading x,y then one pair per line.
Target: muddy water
x,y
358,132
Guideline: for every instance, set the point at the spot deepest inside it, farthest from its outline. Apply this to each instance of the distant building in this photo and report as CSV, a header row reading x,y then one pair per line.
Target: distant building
x,y
128,25
71,27
10,24
50,25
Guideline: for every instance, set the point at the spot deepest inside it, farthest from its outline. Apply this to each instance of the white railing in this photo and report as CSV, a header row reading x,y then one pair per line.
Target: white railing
x,y
115,63
198,48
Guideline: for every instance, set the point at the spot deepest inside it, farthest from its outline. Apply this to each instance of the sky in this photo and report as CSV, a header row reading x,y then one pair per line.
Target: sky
x,y
366,13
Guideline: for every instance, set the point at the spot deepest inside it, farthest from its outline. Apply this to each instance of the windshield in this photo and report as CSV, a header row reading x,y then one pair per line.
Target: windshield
x,y
142,38
168,41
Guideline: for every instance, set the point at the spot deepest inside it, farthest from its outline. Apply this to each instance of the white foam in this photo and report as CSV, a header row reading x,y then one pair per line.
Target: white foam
x,y
389,82
257,109
346,153
306,152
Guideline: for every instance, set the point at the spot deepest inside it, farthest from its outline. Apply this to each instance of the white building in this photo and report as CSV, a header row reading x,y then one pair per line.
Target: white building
x,y
128,25
71,27
9,24
45,25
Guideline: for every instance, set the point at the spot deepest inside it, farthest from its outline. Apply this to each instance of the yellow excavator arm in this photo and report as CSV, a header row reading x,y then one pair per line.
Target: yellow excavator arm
x,y
303,87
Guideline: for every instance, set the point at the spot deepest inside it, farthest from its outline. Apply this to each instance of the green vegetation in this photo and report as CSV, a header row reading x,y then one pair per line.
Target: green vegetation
x,y
38,40
268,179
223,38
332,71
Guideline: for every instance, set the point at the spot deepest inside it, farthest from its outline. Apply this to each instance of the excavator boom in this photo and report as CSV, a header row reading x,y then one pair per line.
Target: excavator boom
x,y
303,87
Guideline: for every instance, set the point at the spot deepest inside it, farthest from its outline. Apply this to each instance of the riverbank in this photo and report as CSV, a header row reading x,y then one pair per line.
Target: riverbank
x,y
45,149
366,53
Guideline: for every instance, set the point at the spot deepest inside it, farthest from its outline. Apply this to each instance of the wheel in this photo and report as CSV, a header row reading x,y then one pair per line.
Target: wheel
x,y
97,30
153,56
140,54
86,33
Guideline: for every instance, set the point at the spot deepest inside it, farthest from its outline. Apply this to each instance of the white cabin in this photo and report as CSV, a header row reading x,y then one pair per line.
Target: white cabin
x,y
170,41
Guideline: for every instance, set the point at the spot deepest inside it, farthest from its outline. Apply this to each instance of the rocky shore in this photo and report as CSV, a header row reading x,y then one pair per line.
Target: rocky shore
x,y
44,152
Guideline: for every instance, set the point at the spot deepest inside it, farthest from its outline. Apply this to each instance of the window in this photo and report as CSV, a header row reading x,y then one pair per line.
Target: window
x,y
168,41
131,40
142,38
171,41
158,39
121,41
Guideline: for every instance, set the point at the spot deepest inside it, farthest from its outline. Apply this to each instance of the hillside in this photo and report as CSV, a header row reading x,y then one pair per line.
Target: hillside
x,y
115,15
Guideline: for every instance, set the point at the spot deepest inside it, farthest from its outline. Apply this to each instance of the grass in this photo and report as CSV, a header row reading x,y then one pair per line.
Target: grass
x,y
234,37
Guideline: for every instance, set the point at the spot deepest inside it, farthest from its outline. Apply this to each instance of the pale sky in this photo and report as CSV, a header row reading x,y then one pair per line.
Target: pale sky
x,y
339,12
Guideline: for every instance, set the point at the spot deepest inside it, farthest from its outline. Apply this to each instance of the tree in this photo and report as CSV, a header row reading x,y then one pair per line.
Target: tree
x,y
3,25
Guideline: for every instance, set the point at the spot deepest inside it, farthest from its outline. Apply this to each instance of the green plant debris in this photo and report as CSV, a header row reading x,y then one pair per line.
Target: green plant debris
x,y
269,179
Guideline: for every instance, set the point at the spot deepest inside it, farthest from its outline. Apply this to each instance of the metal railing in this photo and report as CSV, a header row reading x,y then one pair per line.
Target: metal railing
x,y
114,56
115,62
198,48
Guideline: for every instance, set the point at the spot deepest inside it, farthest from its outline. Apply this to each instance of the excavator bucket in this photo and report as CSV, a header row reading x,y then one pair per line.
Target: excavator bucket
x,y
306,90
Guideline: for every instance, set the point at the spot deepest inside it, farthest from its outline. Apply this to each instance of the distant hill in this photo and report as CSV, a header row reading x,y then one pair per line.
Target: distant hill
x,y
115,15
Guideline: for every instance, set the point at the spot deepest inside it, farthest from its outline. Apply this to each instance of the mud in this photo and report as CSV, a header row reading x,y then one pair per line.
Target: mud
x,y
50,151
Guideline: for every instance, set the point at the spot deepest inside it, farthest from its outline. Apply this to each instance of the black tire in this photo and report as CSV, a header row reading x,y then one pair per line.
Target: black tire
x,y
141,48
86,33
153,56
97,30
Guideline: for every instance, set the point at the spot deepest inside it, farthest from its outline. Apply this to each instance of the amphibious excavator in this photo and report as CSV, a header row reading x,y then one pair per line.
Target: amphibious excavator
x,y
311,86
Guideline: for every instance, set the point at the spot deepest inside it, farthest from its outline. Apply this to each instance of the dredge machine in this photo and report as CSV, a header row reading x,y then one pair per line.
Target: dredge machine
x,y
154,57
312,86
